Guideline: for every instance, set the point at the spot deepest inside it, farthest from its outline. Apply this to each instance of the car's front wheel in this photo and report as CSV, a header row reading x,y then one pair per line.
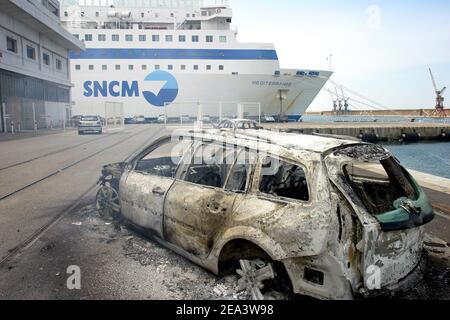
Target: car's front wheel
x,y
107,202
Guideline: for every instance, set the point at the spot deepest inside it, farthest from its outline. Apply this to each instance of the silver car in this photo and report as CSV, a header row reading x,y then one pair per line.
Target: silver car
x,y
90,124
290,214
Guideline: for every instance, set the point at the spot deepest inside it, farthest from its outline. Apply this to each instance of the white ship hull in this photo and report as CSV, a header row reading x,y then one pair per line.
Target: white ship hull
x,y
208,90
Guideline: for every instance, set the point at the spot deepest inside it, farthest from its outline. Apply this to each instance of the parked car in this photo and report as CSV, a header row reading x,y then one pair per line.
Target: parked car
x,y
267,119
139,119
75,121
161,119
290,214
238,124
90,124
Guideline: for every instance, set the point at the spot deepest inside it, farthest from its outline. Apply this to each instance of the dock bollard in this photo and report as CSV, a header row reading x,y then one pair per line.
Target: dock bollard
x,y
12,127
444,136
35,127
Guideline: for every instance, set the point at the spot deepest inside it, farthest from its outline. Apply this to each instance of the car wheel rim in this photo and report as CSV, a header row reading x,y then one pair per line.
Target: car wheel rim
x,y
252,275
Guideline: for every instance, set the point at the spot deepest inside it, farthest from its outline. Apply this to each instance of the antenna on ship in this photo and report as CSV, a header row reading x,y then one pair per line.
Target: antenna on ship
x,y
330,59
439,108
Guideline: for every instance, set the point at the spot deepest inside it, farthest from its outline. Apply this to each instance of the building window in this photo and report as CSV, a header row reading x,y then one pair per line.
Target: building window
x,y
117,66
91,67
115,37
58,64
46,58
183,67
77,67
209,38
11,44
208,67
130,67
142,37
155,38
129,37
144,67
221,67
88,37
182,38
157,67
102,37
104,67
195,38
170,67
169,38
223,39
31,53
196,67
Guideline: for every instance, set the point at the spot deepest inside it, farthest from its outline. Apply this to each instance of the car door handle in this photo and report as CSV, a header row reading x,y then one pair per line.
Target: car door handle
x,y
158,191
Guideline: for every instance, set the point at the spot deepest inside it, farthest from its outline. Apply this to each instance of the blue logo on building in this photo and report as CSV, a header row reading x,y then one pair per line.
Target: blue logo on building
x,y
168,92
165,96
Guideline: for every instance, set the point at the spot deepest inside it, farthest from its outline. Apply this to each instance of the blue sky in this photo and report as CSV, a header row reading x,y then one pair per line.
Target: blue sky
x,y
381,49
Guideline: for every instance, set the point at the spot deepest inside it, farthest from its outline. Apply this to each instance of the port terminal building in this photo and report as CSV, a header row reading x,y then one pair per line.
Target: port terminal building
x,y
35,85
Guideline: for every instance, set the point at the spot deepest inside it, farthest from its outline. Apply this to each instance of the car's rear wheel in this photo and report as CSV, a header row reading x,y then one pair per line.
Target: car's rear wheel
x,y
262,282
108,202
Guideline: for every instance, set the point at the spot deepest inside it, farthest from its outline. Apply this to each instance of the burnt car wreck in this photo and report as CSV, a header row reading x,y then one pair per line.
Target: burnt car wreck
x,y
290,214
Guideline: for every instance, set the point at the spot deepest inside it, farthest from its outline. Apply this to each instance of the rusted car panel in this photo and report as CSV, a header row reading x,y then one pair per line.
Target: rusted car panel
x,y
310,219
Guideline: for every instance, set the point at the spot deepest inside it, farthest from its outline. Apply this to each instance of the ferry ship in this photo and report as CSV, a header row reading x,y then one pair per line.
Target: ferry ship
x,y
156,55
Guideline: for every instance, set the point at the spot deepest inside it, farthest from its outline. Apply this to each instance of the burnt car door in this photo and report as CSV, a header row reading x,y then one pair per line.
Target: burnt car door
x,y
198,204
151,175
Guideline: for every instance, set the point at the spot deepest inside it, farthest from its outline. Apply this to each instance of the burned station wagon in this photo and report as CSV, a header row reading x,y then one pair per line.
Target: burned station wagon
x,y
290,214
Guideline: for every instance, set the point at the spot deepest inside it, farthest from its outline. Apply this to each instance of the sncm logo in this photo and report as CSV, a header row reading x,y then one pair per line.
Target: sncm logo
x,y
167,94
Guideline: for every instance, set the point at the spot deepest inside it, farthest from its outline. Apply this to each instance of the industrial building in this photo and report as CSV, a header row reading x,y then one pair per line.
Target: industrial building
x,y
35,86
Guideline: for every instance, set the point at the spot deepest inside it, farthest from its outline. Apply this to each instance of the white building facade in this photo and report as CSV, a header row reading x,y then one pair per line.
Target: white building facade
x,y
35,79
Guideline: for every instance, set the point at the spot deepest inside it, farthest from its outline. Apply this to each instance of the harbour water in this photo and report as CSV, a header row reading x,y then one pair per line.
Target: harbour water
x,y
431,158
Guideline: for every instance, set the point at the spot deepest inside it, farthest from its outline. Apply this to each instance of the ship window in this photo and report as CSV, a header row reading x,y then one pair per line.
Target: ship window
x,y
46,58
11,44
209,38
182,38
128,37
144,67
130,67
172,15
157,67
117,66
97,14
155,38
193,15
102,37
76,36
58,64
196,67
104,67
142,37
204,13
208,67
169,38
66,14
115,37
77,67
221,67
170,67
142,14
223,39
195,38
183,67
88,37
91,67
188,15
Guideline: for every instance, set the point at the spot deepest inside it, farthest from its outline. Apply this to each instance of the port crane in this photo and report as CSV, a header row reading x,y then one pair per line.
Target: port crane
x,y
439,109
